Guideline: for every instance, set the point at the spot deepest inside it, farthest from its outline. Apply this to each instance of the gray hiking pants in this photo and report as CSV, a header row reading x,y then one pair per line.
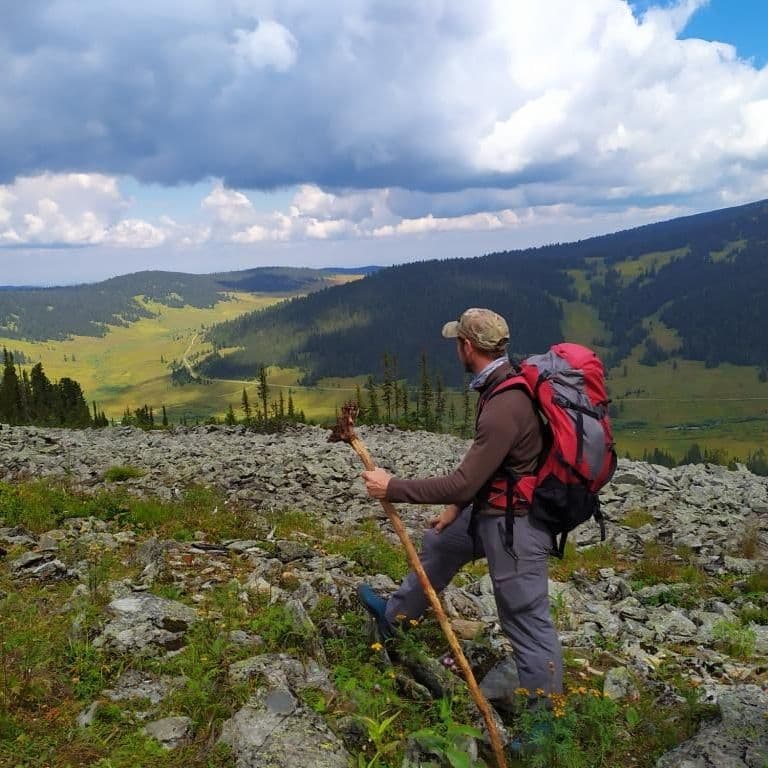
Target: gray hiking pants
x,y
520,587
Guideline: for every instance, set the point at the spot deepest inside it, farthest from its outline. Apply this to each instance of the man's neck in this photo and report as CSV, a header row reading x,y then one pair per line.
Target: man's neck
x,y
481,375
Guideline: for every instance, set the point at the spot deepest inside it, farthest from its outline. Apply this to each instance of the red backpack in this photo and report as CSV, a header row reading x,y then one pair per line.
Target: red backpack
x,y
567,386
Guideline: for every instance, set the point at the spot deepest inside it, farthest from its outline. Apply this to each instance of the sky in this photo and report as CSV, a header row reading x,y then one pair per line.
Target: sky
x,y
208,135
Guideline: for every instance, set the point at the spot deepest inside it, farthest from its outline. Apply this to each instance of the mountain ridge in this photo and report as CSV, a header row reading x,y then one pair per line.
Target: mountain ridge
x,y
650,285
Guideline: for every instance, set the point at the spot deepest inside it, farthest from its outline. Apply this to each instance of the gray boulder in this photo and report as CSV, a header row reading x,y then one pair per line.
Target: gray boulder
x,y
738,740
146,624
273,730
170,732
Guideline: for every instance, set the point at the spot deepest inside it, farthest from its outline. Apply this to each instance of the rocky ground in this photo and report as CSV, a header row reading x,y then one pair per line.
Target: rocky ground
x,y
645,601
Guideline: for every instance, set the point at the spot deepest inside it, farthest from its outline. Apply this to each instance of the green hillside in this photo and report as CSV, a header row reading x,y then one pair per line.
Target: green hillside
x,y
676,309
91,309
703,277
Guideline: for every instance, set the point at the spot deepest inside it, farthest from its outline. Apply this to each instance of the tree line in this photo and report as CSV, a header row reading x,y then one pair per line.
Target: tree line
x,y
30,397
428,405
756,462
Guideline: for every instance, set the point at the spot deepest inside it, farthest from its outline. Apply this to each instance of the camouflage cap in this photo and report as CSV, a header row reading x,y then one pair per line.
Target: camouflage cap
x,y
483,327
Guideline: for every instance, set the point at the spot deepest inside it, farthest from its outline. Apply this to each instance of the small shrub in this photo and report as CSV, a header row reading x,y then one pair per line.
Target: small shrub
x,y
588,560
758,581
754,615
637,518
121,473
734,638
579,731
660,566
748,543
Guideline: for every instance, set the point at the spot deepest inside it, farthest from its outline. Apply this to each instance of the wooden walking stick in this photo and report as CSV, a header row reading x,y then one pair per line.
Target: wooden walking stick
x,y
344,432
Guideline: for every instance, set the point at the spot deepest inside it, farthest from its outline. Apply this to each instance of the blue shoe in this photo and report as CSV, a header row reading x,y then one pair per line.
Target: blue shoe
x,y
377,607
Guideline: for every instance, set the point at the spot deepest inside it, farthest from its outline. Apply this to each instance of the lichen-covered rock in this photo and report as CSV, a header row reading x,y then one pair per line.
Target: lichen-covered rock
x,y
738,740
41,566
170,732
273,730
134,684
146,624
279,670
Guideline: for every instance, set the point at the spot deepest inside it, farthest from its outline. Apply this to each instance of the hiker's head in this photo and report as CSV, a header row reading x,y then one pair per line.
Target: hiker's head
x,y
486,332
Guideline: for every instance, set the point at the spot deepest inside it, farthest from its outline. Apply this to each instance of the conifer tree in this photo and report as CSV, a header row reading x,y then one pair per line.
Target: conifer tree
x,y
387,388
165,417
425,396
10,396
374,416
263,392
360,403
246,405
41,401
291,412
466,415
70,403
230,419
395,393
439,403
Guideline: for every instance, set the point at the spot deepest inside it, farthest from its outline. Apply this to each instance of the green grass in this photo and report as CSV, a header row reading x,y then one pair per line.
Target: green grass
x,y
371,550
632,269
587,560
637,518
734,638
118,474
43,505
48,674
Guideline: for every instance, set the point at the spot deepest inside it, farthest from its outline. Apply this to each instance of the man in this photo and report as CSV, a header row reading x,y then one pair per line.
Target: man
x,y
508,435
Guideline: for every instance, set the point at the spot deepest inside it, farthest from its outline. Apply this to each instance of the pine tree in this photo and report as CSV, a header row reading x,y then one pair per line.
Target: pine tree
x,y
291,412
25,395
246,405
263,392
466,415
230,419
72,408
387,388
361,409
439,403
452,417
165,417
425,394
41,401
374,417
395,388
10,395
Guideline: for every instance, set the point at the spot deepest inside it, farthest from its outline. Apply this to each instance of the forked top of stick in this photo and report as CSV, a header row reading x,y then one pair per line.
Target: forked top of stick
x,y
344,431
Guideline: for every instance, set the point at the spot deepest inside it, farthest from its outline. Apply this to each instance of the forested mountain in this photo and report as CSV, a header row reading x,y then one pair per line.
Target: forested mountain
x,y
87,310
702,279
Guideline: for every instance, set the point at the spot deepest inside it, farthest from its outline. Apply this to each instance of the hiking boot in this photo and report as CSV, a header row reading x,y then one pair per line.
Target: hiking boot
x,y
377,607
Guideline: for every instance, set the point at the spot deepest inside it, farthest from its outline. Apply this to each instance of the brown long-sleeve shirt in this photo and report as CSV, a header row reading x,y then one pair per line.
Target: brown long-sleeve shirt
x,y
508,432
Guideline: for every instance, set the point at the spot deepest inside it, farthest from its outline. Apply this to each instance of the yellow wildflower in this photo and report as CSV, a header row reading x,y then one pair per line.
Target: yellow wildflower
x,y
376,647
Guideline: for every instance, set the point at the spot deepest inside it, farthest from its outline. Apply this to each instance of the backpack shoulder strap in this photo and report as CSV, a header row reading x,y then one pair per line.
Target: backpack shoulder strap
x,y
513,380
